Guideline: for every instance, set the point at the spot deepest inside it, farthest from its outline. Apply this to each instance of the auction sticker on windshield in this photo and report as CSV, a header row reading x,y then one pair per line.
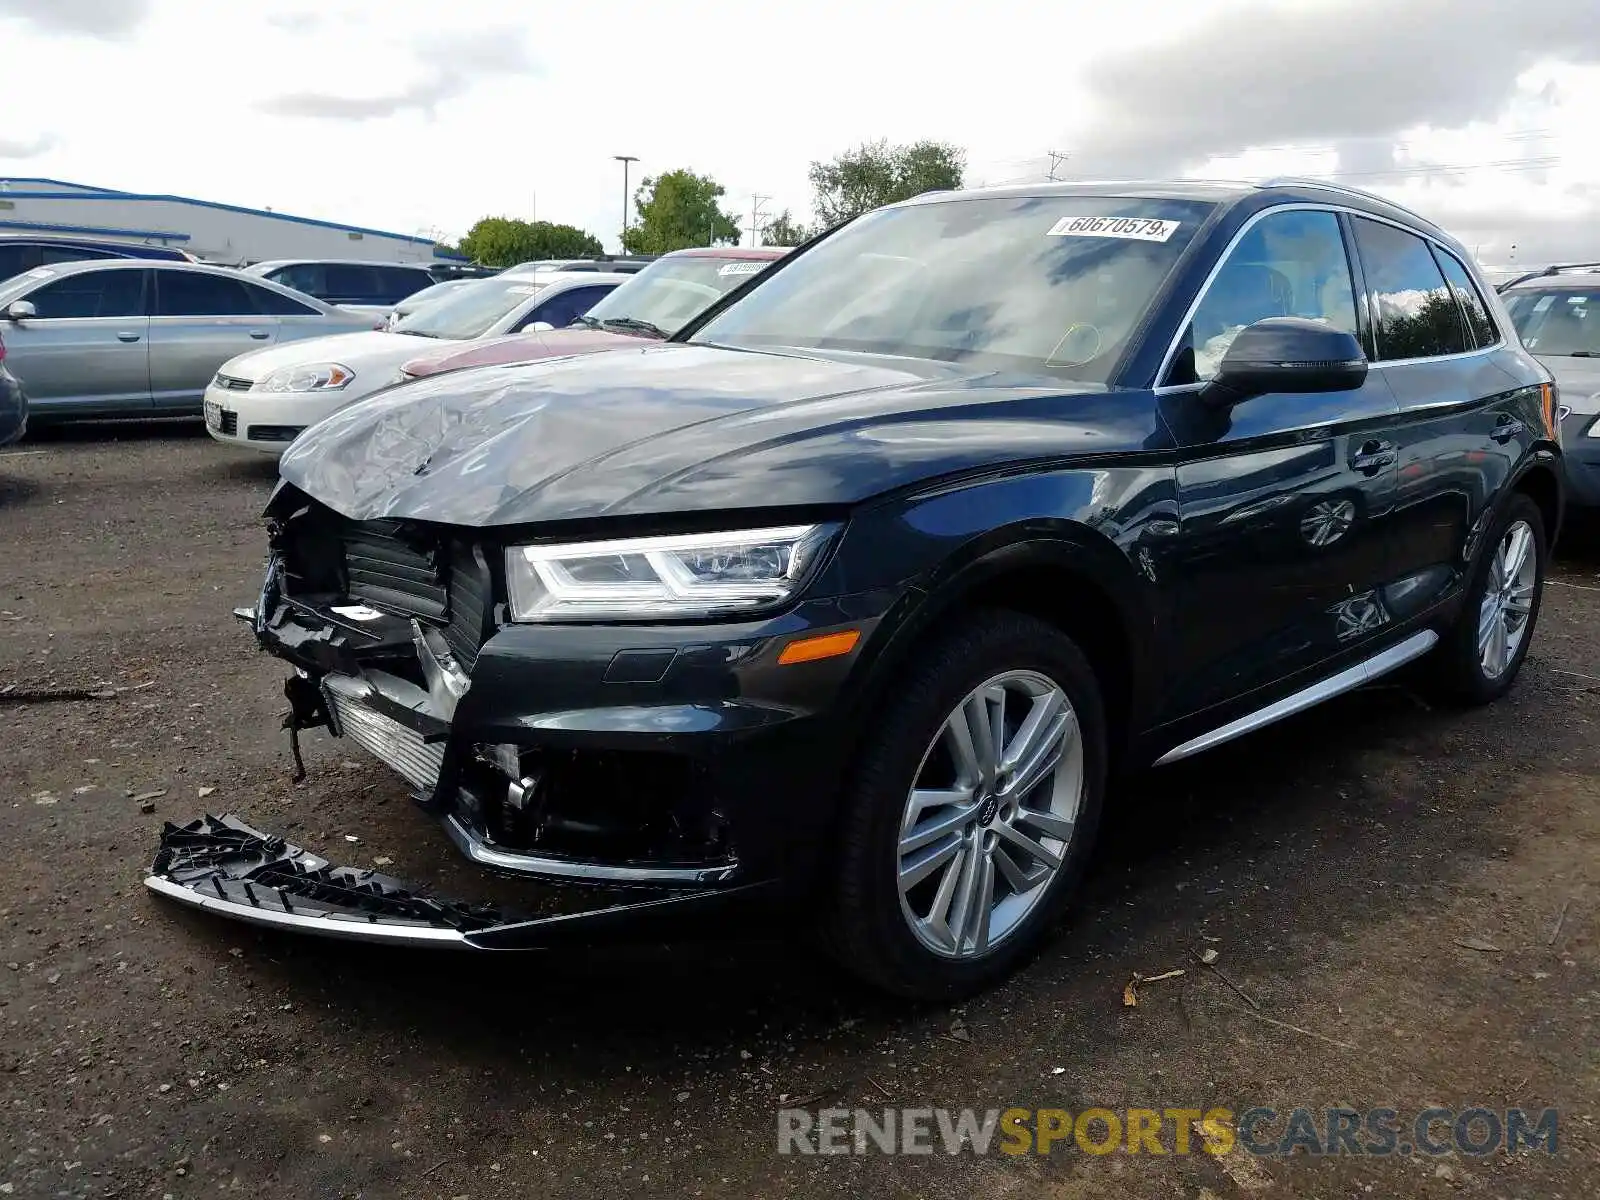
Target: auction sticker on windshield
x,y
1144,229
741,268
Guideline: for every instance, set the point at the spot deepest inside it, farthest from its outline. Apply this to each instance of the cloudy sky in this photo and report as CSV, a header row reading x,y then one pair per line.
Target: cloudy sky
x,y
421,116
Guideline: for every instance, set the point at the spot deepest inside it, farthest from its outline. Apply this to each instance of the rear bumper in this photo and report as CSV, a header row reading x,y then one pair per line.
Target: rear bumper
x,y
222,866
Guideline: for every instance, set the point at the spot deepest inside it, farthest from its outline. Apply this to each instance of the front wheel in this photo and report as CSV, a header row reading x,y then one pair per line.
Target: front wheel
x,y
970,815
1481,654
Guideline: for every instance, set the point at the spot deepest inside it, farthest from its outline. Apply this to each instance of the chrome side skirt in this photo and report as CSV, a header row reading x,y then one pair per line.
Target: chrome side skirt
x,y
1347,680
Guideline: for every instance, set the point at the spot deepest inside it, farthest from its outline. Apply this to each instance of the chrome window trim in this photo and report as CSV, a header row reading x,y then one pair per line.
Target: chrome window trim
x,y
1309,206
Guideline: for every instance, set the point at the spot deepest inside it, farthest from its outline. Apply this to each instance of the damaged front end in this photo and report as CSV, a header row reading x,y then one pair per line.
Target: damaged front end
x,y
385,623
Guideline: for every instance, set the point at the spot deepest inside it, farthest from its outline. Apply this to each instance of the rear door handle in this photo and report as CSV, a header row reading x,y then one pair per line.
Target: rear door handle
x,y
1506,429
1373,457
127,336
260,335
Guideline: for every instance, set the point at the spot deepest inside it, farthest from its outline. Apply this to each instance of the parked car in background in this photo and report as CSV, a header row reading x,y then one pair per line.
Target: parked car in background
x,y
626,264
131,337
1557,314
19,253
13,402
655,303
263,400
858,591
367,286
418,299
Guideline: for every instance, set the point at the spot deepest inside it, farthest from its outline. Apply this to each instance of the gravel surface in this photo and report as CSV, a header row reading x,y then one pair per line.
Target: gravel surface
x,y
1335,864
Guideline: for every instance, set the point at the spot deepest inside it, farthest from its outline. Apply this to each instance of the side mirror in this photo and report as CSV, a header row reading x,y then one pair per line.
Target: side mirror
x,y
1287,354
21,310
540,327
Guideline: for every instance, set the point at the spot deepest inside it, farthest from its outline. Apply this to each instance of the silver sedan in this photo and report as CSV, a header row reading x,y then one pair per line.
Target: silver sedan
x,y
134,337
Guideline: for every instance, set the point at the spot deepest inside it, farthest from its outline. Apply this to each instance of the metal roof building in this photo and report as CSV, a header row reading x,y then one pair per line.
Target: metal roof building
x,y
221,233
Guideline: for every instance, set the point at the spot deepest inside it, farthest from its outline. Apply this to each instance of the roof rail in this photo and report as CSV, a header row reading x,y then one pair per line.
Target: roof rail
x,y
1344,189
1542,272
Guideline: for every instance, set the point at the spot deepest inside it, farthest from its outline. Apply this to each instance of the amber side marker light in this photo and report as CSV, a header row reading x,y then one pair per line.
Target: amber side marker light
x,y
1547,393
826,645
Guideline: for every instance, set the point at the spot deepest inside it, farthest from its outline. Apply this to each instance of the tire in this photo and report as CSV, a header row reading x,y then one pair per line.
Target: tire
x,y
882,935
1460,672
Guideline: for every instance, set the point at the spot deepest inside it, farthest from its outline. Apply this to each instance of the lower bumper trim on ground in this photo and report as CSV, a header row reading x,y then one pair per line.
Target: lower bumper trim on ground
x,y
221,865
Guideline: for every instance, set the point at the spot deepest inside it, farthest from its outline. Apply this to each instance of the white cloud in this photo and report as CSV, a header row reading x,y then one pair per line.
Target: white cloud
x,y
406,116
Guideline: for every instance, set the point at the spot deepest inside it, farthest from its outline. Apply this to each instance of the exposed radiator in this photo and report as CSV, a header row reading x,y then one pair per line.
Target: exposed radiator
x,y
390,742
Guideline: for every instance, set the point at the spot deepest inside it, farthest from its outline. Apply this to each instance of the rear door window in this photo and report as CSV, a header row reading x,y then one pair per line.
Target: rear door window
x,y
91,294
276,304
194,294
400,282
354,285
13,261
1415,315
1480,328
302,277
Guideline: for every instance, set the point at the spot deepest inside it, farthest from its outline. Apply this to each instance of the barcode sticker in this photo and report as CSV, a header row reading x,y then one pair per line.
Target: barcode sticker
x,y
1143,229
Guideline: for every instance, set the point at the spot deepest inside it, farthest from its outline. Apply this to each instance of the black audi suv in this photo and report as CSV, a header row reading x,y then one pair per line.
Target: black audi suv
x,y
856,591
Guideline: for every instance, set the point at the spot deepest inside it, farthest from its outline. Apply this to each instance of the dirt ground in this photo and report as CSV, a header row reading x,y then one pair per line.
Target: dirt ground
x,y
1335,864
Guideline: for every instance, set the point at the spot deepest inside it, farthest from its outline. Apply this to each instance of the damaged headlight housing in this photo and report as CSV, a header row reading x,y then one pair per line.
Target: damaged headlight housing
x,y
312,377
692,575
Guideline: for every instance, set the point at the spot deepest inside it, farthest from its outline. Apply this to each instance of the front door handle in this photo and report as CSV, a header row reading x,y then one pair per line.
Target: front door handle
x,y
260,335
1506,429
1373,457
127,336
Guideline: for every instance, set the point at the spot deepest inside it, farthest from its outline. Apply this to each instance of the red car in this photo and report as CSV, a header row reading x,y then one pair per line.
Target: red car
x,y
654,304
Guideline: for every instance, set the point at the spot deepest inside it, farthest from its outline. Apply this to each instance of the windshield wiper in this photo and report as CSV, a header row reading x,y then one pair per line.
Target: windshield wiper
x,y
414,333
633,324
587,322
1583,354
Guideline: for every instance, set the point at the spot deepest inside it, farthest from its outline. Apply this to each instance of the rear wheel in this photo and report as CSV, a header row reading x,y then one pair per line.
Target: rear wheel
x,y
970,816
1480,656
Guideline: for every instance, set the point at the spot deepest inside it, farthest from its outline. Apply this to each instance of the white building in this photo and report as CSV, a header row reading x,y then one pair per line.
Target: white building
x,y
220,233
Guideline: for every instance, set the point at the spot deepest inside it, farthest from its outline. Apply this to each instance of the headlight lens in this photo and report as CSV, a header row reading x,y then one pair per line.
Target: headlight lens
x,y
694,575
313,377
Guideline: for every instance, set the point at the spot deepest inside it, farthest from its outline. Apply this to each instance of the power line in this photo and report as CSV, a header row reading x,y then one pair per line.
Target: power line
x,y
1058,159
756,201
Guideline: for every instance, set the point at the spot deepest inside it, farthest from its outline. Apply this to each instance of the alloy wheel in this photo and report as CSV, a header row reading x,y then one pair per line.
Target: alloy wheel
x,y
1507,600
990,815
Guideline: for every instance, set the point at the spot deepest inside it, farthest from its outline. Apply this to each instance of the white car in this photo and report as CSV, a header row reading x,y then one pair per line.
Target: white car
x,y
264,399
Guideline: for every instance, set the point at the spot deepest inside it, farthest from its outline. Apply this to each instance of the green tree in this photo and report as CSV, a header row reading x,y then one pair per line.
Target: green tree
x,y
506,241
783,231
676,210
876,173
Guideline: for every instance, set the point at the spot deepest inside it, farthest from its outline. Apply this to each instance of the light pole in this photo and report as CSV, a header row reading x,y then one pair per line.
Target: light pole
x,y
624,159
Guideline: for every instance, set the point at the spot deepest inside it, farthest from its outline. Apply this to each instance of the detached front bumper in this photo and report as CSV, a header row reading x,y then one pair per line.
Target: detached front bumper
x,y
223,866
674,762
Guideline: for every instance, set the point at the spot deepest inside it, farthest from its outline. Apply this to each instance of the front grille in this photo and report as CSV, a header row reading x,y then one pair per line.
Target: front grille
x,y
469,605
386,568
228,422
273,433
232,383
390,742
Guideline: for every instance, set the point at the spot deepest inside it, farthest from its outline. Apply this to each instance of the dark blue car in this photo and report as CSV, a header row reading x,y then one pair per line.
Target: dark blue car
x,y
19,254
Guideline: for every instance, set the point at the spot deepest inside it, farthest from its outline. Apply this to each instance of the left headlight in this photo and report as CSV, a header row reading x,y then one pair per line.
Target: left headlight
x,y
692,575
313,377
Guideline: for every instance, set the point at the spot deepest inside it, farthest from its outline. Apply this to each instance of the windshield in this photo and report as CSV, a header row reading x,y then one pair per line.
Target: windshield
x,y
668,293
1053,283
1561,322
468,311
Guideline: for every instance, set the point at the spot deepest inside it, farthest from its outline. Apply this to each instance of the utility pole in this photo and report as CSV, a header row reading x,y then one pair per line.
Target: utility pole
x,y
624,159
1058,159
756,202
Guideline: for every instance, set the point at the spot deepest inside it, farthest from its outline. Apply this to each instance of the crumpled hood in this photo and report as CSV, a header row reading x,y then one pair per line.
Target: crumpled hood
x,y
369,348
680,428
519,347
